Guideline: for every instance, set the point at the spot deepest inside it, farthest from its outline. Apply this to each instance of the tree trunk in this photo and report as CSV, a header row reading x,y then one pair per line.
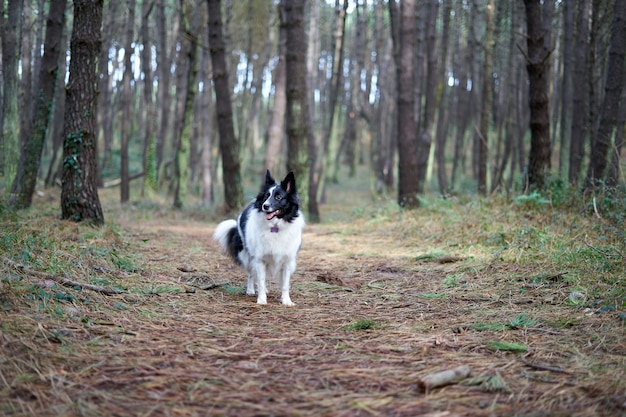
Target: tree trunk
x,y
229,144
106,97
30,157
442,117
483,136
300,143
537,66
613,91
277,121
431,92
11,36
566,85
149,150
127,100
190,15
408,183
79,195
579,99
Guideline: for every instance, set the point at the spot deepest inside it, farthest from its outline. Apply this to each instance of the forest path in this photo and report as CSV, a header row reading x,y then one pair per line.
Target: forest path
x,y
372,317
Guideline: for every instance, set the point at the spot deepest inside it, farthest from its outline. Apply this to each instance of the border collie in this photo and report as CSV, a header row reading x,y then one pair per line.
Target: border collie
x,y
266,237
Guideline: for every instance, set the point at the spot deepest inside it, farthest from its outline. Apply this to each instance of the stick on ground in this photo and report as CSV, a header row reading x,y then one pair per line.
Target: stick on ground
x,y
439,379
61,280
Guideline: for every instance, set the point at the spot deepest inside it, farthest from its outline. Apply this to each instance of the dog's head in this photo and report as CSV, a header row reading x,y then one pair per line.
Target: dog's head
x,y
278,200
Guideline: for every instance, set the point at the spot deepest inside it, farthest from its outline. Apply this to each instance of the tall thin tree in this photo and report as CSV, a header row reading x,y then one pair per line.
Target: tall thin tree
x,y
613,91
11,29
23,186
404,50
127,101
300,144
537,65
79,194
229,144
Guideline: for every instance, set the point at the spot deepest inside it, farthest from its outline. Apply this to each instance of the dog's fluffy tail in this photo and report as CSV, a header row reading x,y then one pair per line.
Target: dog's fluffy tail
x,y
227,235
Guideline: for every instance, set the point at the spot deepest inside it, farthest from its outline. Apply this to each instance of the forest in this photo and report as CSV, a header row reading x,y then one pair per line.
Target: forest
x,y
431,96
460,169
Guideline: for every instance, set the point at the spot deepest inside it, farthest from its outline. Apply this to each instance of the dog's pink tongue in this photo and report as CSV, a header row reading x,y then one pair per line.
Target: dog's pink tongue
x,y
270,216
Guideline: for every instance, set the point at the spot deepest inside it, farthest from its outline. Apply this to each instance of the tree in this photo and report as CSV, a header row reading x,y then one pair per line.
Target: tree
x,y
127,98
30,157
11,30
579,99
149,153
189,51
404,51
483,136
229,144
300,145
442,118
79,195
276,129
613,92
537,64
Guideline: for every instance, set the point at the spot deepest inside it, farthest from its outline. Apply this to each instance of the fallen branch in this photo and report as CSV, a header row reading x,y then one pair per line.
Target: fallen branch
x,y
440,379
542,367
61,280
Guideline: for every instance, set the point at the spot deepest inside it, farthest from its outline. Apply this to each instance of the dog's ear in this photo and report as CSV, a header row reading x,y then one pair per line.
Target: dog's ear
x,y
289,183
269,180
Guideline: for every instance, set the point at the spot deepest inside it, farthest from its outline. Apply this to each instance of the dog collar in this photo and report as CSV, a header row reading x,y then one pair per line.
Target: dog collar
x,y
274,229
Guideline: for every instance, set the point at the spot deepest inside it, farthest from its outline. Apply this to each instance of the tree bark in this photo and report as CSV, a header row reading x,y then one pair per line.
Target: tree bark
x,y
229,144
79,195
23,186
566,85
11,36
442,116
483,136
190,15
408,183
149,150
127,99
537,65
613,91
276,132
300,144
579,99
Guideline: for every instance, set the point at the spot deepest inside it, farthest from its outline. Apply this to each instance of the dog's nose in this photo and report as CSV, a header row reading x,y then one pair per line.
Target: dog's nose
x,y
266,206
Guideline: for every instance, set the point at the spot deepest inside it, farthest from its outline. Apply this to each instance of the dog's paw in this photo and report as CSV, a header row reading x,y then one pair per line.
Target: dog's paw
x,y
262,300
250,292
287,302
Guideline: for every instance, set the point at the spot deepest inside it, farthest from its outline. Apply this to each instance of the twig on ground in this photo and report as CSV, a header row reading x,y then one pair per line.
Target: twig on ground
x,y
61,280
542,367
439,379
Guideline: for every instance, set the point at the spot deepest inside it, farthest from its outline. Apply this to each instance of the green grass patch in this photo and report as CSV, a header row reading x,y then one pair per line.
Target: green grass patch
x,y
363,324
508,346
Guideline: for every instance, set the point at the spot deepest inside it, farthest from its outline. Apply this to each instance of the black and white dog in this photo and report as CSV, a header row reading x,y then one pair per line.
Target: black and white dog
x,y
266,237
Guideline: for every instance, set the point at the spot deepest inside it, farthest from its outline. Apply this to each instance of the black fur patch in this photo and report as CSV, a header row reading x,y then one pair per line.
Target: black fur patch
x,y
235,244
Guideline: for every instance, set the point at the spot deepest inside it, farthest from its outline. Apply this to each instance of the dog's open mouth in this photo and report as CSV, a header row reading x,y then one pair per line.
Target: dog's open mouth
x,y
270,216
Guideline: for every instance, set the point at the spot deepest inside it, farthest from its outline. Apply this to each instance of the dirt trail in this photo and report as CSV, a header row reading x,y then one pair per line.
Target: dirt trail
x,y
369,322
372,317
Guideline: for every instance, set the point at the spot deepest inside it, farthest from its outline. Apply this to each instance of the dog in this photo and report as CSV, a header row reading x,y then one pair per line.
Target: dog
x,y
266,237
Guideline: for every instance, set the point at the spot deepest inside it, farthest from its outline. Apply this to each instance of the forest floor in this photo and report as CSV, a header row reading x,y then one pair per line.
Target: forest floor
x,y
531,299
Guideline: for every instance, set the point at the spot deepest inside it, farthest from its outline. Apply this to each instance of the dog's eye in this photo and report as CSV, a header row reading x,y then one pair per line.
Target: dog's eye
x,y
267,195
278,197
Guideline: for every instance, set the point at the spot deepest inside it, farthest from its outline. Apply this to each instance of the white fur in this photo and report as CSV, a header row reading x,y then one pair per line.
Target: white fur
x,y
269,254
221,232
266,253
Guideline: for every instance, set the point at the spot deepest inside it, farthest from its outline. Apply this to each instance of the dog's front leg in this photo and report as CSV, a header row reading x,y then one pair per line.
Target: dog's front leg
x,y
285,285
250,287
259,271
